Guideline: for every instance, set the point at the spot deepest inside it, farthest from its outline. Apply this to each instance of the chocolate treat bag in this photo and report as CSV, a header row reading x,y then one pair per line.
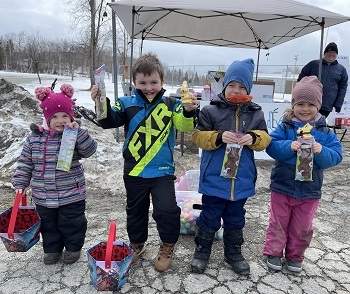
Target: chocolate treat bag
x,y
67,147
305,154
231,159
101,100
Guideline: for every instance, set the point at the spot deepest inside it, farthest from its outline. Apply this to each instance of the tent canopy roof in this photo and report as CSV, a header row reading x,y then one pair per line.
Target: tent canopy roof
x,y
259,24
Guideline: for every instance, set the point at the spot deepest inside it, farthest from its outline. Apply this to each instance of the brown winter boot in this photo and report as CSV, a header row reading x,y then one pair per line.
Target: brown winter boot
x,y
165,257
138,250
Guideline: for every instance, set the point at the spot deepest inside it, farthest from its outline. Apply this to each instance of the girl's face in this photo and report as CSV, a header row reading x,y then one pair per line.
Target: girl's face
x,y
305,111
235,88
149,85
58,121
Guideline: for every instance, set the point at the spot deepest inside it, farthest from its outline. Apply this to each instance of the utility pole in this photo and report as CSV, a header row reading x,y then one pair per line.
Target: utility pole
x,y
295,65
115,65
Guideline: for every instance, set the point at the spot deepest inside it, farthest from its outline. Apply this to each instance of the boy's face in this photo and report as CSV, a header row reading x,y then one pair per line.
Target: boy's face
x,y
149,85
58,121
305,111
235,88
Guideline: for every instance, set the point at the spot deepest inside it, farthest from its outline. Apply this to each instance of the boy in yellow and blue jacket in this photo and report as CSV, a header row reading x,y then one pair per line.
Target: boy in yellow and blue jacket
x,y
231,118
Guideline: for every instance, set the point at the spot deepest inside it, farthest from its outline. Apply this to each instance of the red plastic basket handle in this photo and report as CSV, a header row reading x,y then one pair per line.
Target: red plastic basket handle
x,y
18,198
24,199
111,238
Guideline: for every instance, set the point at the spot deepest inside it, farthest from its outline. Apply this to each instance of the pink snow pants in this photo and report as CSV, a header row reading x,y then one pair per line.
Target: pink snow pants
x,y
290,226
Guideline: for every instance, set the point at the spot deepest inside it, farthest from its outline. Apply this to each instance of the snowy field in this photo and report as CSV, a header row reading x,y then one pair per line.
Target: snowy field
x,y
80,84
17,113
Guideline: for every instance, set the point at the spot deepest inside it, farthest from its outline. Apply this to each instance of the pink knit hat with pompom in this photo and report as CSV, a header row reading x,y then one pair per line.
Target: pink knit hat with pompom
x,y
52,103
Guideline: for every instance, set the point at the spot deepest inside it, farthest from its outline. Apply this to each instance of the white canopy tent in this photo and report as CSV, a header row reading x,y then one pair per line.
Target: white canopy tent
x,y
260,24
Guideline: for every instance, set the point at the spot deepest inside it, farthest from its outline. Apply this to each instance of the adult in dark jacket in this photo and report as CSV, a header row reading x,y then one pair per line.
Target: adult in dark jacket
x,y
334,79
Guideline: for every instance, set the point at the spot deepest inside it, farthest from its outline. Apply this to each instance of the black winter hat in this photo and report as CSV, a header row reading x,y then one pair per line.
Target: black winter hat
x,y
331,47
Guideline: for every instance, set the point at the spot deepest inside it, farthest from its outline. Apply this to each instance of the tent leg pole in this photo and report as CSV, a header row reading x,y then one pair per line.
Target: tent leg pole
x,y
132,47
115,65
257,66
321,49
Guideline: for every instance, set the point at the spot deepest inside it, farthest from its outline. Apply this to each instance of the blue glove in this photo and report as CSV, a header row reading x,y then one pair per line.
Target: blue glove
x,y
337,109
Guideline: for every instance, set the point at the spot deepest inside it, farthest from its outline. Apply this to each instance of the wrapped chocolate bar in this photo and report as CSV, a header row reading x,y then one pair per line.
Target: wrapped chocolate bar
x,y
305,154
231,159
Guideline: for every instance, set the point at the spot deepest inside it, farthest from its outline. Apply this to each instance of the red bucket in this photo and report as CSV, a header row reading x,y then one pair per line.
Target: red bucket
x,y
20,226
110,262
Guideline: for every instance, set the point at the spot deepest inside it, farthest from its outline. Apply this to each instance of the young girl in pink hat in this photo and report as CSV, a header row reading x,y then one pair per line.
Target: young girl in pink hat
x,y
59,195
294,199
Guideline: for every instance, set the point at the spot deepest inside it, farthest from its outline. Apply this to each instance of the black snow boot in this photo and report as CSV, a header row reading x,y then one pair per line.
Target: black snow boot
x,y
233,240
204,241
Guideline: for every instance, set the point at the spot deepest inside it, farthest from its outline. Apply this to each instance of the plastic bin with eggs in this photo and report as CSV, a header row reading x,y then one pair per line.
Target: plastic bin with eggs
x,y
189,200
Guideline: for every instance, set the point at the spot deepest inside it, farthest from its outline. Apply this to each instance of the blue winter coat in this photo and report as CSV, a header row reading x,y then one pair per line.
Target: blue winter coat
x,y
283,172
334,79
223,116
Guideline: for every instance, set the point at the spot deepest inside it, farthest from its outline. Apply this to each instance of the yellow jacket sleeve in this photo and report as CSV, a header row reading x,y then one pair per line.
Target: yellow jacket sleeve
x,y
263,140
205,139
184,121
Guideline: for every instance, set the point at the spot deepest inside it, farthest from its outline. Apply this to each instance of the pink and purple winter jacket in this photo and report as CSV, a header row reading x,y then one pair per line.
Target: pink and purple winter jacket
x,y
37,168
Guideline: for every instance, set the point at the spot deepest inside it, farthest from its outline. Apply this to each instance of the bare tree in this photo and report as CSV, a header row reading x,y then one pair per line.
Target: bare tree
x,y
123,50
19,41
34,47
2,53
9,53
71,57
87,15
92,48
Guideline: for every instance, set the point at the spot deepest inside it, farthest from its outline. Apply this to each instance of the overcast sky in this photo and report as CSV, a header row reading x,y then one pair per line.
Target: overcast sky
x,y
49,18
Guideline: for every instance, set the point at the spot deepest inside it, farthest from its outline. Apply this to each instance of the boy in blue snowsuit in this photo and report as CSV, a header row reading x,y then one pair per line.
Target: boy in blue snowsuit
x,y
219,123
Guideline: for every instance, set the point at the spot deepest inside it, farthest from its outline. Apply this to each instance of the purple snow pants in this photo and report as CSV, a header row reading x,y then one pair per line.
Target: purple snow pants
x,y
290,226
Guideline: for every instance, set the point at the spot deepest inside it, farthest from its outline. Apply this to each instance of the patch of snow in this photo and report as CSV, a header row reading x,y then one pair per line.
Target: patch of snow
x,y
19,108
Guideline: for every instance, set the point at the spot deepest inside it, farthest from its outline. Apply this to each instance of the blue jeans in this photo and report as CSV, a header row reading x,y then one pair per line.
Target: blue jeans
x,y
214,209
